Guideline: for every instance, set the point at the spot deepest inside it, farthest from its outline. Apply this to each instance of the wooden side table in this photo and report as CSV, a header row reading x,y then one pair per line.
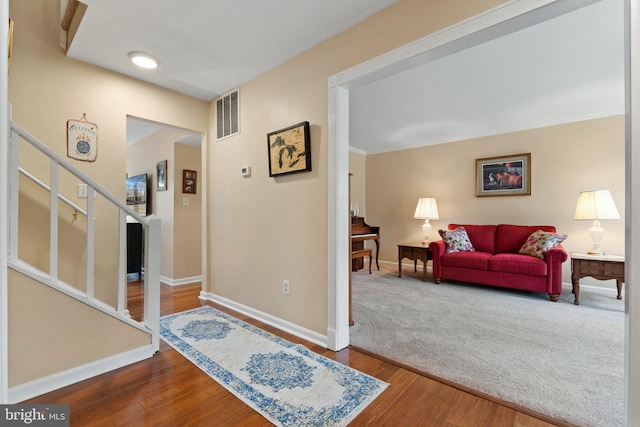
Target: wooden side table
x,y
415,251
601,267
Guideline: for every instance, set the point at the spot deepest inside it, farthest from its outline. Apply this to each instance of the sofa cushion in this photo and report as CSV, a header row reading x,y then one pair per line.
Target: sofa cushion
x,y
482,237
456,240
539,242
510,238
475,260
518,264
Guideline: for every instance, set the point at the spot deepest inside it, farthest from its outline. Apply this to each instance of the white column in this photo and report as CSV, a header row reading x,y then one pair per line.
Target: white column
x,y
4,183
632,215
338,215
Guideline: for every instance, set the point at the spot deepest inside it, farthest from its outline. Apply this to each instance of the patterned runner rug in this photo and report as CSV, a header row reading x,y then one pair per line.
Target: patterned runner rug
x,y
287,383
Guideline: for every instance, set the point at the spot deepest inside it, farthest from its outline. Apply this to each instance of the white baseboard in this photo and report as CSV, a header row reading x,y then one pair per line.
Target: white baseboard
x,y
281,324
53,382
610,290
183,281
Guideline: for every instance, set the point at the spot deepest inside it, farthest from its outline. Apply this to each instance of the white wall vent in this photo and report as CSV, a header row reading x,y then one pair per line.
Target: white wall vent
x,y
228,115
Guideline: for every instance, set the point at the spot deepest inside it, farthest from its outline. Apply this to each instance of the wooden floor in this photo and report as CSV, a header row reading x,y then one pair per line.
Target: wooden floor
x,y
168,390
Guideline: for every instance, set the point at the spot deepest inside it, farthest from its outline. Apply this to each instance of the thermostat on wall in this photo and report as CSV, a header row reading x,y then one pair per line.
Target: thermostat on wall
x,y
245,171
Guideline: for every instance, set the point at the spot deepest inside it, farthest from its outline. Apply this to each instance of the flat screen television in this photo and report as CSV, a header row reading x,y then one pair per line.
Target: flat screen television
x,y
137,191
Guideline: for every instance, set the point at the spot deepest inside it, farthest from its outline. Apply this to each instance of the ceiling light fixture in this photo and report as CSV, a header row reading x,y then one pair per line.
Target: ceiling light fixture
x,y
144,60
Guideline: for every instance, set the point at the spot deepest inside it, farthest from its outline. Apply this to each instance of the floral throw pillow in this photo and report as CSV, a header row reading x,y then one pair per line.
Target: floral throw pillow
x,y
456,240
539,242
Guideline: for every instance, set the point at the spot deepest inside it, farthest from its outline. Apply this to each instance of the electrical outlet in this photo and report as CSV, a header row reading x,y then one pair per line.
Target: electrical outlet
x,y
286,287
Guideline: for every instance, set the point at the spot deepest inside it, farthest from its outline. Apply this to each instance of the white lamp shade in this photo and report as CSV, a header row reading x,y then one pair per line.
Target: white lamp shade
x,y
596,205
426,209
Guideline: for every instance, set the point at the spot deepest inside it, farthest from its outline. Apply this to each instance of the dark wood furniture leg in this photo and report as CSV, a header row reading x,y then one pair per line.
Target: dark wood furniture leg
x,y
415,252
619,285
575,284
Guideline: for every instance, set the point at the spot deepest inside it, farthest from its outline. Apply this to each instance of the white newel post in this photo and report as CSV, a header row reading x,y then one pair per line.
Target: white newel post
x,y
152,256
4,184
122,263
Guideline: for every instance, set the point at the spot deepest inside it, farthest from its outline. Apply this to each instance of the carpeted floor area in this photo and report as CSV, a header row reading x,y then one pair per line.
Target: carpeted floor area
x,y
558,359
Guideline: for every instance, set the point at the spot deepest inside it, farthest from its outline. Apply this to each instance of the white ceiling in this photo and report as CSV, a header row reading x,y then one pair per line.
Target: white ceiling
x,y
137,130
566,69
208,47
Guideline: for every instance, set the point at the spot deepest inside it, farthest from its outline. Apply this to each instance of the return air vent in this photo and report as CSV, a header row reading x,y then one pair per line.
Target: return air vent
x,y
228,115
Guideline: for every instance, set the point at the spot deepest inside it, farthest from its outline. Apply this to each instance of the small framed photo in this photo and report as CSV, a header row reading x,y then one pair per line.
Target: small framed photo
x,y
504,176
161,172
289,150
189,181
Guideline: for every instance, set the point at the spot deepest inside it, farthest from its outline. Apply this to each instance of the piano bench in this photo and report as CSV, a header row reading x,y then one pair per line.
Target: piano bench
x,y
361,254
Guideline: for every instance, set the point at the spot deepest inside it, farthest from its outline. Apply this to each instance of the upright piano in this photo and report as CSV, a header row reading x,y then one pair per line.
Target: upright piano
x,y
361,231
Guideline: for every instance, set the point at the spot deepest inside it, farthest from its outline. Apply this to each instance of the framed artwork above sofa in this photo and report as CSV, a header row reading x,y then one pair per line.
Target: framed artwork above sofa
x,y
504,176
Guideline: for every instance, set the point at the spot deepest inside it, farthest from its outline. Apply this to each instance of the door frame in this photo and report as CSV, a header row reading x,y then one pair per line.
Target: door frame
x,y
491,24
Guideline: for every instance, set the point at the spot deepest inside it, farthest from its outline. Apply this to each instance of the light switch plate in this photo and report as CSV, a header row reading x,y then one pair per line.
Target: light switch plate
x,y
82,191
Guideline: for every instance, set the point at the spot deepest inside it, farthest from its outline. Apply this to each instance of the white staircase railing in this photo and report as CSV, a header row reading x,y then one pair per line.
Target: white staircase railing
x,y
151,288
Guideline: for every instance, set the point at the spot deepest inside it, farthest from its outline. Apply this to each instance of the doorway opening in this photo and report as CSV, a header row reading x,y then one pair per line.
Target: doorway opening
x,y
491,25
169,161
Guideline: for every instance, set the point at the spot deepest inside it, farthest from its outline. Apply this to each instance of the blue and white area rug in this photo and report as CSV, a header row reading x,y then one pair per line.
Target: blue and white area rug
x,y
287,383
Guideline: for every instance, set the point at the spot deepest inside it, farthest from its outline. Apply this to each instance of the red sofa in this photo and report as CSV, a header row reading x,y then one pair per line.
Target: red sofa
x,y
496,261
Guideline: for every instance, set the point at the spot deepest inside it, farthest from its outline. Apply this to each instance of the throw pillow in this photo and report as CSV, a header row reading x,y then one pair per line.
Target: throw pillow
x,y
456,240
539,242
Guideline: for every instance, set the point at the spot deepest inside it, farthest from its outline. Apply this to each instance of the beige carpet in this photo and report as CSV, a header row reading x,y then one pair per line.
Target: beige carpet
x,y
558,359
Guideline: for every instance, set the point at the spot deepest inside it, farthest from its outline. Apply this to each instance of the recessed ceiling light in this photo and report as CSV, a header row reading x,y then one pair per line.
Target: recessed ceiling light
x,y
144,60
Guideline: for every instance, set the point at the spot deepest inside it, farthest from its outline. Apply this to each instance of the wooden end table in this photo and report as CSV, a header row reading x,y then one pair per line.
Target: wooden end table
x,y
415,251
601,267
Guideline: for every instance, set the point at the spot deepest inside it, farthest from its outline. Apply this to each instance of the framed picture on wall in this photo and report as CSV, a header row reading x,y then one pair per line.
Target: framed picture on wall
x,y
137,187
504,176
289,150
189,181
161,173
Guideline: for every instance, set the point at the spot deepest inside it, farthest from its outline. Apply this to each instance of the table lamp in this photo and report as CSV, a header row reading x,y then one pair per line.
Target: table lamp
x,y
427,209
596,205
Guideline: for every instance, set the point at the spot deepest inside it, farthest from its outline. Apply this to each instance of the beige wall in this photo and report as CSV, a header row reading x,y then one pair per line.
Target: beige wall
x,y
45,90
50,333
565,159
187,228
263,230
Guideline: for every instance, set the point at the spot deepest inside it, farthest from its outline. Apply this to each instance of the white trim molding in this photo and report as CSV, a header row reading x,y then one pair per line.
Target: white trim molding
x,y
4,198
178,282
632,213
263,317
49,383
